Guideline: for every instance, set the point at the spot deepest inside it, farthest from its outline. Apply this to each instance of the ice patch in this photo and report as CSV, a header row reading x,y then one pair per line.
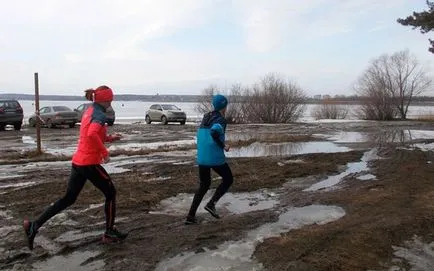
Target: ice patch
x,y
28,140
9,185
258,149
6,230
367,177
77,235
238,255
6,176
352,168
236,203
73,261
418,254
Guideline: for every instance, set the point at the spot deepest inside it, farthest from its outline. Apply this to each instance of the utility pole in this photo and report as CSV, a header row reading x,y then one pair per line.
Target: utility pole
x,y
38,122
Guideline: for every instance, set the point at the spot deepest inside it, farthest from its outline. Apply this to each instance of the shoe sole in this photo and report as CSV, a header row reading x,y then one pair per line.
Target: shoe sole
x,y
212,212
26,227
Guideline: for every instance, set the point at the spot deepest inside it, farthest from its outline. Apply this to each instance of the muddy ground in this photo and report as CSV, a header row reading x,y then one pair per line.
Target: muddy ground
x,y
157,163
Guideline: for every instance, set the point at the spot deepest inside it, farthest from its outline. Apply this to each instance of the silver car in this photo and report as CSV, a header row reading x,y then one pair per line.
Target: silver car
x,y
165,113
55,115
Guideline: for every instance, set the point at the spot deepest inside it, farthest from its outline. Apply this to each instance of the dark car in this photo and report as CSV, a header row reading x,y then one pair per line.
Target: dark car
x,y
165,113
55,115
11,113
110,113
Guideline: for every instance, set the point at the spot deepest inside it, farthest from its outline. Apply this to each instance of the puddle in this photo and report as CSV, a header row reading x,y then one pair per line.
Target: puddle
x,y
238,255
236,203
290,148
152,145
383,136
418,254
77,235
352,168
74,261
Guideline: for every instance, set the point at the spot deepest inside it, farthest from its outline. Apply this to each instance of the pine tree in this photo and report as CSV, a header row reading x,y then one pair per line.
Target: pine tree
x,y
423,20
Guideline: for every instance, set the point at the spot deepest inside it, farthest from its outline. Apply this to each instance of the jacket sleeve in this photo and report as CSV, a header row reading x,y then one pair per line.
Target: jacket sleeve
x,y
216,132
94,134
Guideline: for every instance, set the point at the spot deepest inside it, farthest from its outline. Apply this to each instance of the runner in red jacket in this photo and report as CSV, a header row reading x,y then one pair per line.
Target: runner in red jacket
x,y
86,165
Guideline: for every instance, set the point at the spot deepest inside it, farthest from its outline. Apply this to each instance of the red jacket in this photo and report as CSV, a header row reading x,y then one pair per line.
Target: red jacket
x,y
93,134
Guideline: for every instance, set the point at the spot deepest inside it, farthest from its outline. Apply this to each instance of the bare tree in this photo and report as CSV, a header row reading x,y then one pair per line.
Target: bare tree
x,y
329,109
274,100
389,85
235,112
204,104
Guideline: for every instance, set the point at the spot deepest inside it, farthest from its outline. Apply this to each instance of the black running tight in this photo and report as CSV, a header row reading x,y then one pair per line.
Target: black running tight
x,y
205,181
97,175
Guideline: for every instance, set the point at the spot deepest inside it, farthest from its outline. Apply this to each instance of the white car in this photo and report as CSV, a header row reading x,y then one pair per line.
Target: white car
x,y
165,113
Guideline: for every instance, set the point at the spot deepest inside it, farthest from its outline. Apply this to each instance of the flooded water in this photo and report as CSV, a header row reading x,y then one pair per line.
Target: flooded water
x,y
352,168
382,136
258,149
238,255
236,203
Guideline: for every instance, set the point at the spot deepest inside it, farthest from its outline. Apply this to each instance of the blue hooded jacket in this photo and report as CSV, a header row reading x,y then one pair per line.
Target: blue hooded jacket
x,y
210,140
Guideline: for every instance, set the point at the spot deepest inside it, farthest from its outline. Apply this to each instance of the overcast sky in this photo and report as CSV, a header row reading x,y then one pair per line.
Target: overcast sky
x,y
182,46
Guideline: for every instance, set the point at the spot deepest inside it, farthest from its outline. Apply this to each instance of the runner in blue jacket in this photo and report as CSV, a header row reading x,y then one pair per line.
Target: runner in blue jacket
x,y
210,155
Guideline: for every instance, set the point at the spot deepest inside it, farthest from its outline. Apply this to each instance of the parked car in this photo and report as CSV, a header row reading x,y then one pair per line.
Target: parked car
x,y
55,115
165,113
110,113
11,113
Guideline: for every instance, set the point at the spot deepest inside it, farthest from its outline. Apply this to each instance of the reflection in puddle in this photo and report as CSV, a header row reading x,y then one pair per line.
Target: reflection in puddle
x,y
352,168
382,136
290,148
419,255
74,261
238,255
236,203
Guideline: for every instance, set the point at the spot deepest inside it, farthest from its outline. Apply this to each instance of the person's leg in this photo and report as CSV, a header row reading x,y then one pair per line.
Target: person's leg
x,y
204,183
227,179
101,179
75,185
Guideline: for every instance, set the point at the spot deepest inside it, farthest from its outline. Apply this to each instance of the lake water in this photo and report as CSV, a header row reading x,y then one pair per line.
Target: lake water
x,y
131,111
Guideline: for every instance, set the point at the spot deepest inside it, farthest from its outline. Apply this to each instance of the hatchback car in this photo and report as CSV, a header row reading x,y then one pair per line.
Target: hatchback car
x,y
165,113
11,113
110,113
55,115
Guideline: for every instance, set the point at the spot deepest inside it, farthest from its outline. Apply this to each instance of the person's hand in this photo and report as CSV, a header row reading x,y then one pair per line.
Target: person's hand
x,y
227,147
106,159
116,137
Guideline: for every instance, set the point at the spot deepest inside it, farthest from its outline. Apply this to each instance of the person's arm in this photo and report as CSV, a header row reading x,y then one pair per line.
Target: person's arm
x,y
216,132
93,133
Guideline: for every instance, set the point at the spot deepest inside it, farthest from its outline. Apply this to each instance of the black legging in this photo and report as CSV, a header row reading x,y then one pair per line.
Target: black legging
x,y
79,174
205,181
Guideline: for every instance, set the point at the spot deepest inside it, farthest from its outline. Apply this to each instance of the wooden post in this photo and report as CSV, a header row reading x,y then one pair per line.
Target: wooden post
x,y
38,121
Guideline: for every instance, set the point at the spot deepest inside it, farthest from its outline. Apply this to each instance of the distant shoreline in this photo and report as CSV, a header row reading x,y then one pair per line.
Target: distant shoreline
x,y
352,100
